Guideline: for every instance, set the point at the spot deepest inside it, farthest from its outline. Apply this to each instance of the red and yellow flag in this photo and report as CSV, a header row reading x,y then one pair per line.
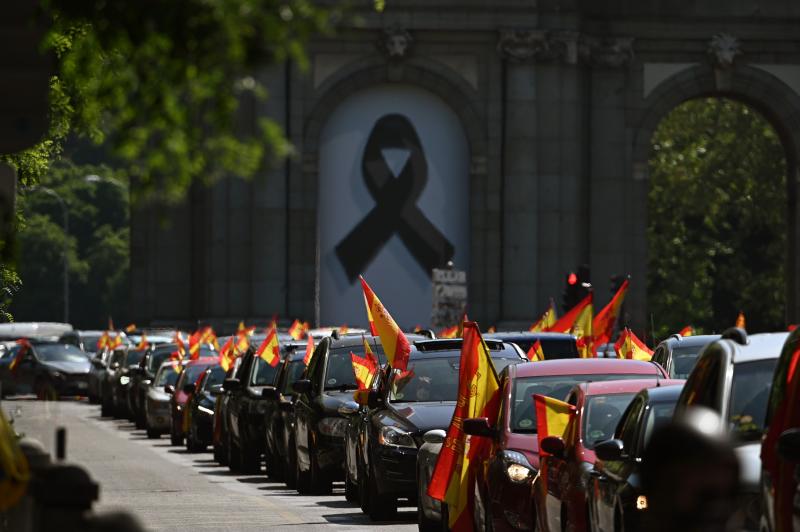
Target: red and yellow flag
x,y
273,323
111,324
115,342
372,328
547,320
395,345
603,323
24,346
131,327
478,396
740,321
198,339
369,353
343,329
102,343
270,350
363,369
576,315
687,331
227,355
449,332
143,343
630,346
296,330
535,353
309,350
553,417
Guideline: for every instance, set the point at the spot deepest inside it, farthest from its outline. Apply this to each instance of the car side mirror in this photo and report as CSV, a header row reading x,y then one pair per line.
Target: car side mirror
x,y
188,388
479,426
215,389
553,445
789,445
348,408
374,399
269,392
609,450
231,384
434,436
302,386
169,389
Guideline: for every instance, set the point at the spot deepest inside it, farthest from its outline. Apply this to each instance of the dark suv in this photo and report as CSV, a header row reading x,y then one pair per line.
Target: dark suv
x,y
245,412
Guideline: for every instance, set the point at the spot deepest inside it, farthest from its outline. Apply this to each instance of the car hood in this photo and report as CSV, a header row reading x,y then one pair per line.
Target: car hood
x,y
749,456
69,367
331,401
155,395
527,444
424,416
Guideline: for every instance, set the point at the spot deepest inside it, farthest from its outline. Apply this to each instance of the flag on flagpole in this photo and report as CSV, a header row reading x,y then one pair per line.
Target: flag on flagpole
x,y
226,354
740,321
270,350
449,332
143,343
363,369
575,315
603,323
547,320
309,350
102,343
372,328
631,347
131,327
115,342
395,345
296,330
24,346
478,396
687,331
535,353
553,417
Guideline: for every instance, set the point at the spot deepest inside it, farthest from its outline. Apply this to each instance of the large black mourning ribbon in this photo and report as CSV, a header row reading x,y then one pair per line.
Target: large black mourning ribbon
x,y
395,208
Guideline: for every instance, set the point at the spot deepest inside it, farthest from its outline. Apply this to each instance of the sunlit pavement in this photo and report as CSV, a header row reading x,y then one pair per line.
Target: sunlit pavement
x,y
168,488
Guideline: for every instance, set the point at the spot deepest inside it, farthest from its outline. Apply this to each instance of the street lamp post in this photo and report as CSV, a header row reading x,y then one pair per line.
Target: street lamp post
x,y
65,212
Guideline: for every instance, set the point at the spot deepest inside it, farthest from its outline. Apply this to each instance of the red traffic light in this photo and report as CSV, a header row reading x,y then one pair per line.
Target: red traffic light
x,y
572,278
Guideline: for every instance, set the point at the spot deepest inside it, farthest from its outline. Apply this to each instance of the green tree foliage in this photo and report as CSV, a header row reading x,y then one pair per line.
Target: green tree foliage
x,y
98,248
717,219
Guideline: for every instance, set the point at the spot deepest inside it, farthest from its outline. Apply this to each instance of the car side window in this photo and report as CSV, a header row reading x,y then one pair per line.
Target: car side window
x,y
702,386
315,362
628,428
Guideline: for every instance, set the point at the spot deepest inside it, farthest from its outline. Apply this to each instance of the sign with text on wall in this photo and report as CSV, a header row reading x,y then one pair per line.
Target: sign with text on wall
x,y
393,202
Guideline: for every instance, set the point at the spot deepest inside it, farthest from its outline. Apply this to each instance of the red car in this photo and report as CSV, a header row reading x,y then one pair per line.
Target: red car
x,y
504,480
559,492
180,394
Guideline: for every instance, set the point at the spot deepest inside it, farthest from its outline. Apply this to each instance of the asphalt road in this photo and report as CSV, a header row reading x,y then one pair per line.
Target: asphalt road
x,y
167,488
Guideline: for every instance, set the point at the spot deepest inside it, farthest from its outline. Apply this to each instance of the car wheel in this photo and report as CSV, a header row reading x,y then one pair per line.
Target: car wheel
x,y
380,507
175,437
234,455
350,490
153,434
250,457
275,469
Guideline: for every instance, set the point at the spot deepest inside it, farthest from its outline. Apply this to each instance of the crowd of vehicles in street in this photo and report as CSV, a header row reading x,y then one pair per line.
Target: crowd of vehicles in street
x,y
306,420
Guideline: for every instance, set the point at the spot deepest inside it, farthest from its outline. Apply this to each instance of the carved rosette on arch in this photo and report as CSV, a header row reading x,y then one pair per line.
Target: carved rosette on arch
x,y
612,52
395,42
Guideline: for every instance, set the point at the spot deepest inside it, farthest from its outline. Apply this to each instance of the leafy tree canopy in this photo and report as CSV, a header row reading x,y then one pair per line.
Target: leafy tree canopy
x,y
717,219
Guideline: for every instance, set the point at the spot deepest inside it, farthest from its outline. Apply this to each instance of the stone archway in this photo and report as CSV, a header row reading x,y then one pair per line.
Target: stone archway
x,y
423,74
779,104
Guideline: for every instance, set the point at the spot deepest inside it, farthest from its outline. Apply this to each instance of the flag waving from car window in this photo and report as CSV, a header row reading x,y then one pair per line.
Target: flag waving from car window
x,y
270,350
395,344
630,346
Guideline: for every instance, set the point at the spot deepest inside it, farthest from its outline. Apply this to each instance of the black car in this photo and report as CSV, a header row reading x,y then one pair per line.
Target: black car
x,y
48,369
384,436
107,373
678,354
220,435
614,498
279,416
319,429
554,345
245,412
121,382
86,341
200,409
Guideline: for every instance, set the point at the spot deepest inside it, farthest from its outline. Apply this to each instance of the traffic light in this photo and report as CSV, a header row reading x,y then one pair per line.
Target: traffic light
x,y
577,287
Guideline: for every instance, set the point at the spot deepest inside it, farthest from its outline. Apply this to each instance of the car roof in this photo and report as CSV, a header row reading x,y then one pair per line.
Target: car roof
x,y
452,347
689,341
664,392
759,347
202,361
622,386
585,366
33,329
510,336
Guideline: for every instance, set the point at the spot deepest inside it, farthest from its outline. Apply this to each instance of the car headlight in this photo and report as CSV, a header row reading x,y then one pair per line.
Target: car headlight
x,y
517,467
179,407
333,426
641,502
395,437
205,410
124,380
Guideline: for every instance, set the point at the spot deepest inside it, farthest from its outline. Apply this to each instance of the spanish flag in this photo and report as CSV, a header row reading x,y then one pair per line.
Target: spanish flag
x,y
547,320
143,343
740,321
24,346
242,342
687,331
269,350
115,342
343,329
450,332
226,355
580,314
372,328
629,346
478,396
130,328
363,369
395,344
553,417
603,323
369,353
296,330
535,353
309,350
102,343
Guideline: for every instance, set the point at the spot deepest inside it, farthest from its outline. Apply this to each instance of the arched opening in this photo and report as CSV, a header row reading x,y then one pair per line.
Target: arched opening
x,y
718,219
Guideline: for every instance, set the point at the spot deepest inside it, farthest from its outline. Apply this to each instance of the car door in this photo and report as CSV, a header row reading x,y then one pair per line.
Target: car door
x,y
235,397
613,478
304,404
557,475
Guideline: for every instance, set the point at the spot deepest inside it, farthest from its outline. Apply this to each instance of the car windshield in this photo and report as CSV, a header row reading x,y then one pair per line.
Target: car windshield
x,y
553,348
60,353
339,373
658,415
190,374
157,358
215,376
601,414
749,395
133,358
263,374
90,342
168,374
293,372
684,359
427,380
523,413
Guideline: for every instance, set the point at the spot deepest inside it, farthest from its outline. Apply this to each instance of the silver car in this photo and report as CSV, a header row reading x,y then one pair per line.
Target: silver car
x,y
156,405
